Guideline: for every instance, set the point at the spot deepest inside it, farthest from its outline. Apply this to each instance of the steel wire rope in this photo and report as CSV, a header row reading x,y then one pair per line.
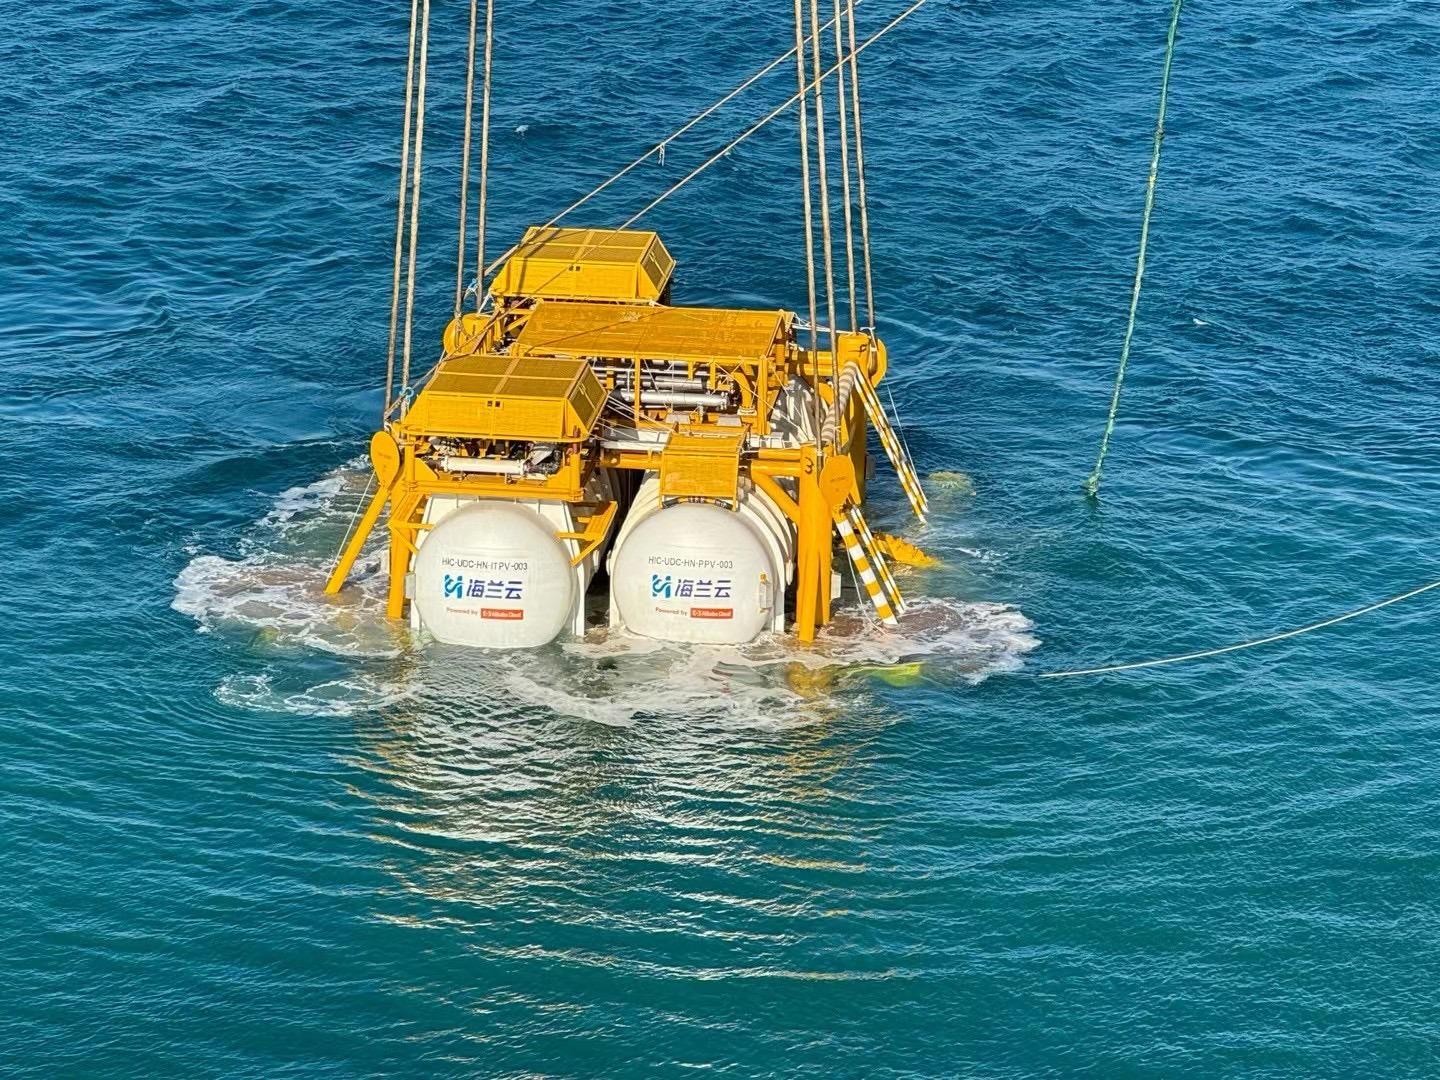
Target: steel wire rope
x,y
821,155
415,191
484,157
808,212
703,166
400,207
464,230
659,148
724,150
763,121
842,109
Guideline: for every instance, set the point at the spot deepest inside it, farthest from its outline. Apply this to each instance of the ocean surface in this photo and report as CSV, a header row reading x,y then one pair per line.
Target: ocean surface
x,y
246,831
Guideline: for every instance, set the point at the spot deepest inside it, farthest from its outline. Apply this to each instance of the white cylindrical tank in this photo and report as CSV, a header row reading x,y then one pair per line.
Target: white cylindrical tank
x,y
701,572
504,574
494,575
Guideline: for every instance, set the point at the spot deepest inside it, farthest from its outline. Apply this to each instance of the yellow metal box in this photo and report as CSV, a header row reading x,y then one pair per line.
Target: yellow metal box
x,y
616,265
696,466
509,397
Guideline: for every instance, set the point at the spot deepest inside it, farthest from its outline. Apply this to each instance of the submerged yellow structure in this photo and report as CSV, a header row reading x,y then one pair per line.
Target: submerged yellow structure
x,y
709,459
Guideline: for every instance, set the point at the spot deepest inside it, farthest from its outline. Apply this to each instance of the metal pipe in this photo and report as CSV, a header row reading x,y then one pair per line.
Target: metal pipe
x,y
663,384
665,397
648,371
489,466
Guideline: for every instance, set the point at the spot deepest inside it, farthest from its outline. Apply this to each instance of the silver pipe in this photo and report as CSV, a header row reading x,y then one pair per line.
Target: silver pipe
x,y
489,466
663,382
664,397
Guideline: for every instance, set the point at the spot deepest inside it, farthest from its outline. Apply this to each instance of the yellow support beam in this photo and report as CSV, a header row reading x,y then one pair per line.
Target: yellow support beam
x,y
385,458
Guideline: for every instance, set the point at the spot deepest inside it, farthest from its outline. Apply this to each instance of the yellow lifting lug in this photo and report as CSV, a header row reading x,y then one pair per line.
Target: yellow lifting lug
x,y
385,457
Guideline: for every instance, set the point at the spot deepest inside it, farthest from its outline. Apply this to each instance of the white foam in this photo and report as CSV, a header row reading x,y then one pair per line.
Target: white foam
x,y
335,697
273,593
270,599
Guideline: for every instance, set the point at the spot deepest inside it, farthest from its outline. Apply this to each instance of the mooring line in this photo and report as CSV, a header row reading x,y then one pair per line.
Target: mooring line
x,y
1244,644
1092,483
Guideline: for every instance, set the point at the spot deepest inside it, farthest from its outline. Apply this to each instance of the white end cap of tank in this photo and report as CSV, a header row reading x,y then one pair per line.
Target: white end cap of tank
x,y
695,572
494,575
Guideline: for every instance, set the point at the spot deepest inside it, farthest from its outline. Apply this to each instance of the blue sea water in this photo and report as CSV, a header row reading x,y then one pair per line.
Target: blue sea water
x,y
248,832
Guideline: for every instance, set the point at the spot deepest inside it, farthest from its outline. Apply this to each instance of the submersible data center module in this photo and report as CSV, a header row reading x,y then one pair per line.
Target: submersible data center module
x,y
705,458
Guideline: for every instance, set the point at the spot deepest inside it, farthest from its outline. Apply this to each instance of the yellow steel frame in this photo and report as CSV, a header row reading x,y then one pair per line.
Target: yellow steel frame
x,y
823,479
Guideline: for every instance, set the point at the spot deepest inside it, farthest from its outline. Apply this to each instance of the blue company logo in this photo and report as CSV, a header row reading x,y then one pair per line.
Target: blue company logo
x,y
664,586
481,589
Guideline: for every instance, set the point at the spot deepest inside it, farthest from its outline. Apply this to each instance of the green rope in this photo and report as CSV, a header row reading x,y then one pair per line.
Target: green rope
x,y
1092,484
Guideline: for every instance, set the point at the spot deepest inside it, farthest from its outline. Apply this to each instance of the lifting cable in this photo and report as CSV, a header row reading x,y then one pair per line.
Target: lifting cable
x,y
827,245
1092,482
763,121
842,110
809,215
484,156
415,192
860,158
400,205
799,96
728,147
659,148
724,150
1244,644
465,158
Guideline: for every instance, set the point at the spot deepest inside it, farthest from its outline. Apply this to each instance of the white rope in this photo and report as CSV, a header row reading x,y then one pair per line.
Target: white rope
x,y
415,190
658,150
465,158
704,165
484,156
400,204
860,165
1244,644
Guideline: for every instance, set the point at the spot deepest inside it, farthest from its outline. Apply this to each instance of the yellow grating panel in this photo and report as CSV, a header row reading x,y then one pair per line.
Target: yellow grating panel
x,y
586,264
629,331
695,466
506,397
466,384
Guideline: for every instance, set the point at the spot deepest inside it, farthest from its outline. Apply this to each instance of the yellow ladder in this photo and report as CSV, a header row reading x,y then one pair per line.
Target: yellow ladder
x,y
894,449
869,563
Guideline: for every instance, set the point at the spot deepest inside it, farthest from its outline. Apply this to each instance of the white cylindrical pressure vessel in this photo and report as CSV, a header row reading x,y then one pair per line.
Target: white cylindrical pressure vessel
x,y
494,575
699,571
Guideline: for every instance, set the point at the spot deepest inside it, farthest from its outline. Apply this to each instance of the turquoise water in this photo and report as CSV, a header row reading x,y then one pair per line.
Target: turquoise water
x,y
249,832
